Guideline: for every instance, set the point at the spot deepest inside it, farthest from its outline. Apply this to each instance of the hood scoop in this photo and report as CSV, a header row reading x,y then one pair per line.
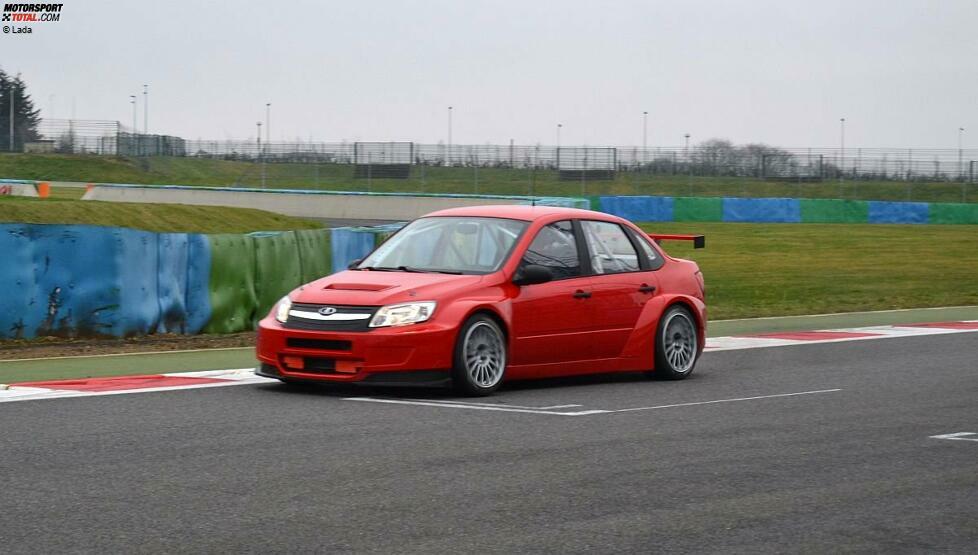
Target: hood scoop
x,y
357,287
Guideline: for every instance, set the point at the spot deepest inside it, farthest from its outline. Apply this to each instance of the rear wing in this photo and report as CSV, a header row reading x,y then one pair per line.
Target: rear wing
x,y
699,241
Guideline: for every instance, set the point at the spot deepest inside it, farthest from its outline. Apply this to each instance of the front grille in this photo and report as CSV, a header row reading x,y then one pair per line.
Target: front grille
x,y
361,324
322,344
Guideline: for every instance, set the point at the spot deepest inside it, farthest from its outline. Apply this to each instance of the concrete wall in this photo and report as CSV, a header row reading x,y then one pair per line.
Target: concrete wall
x,y
17,188
331,205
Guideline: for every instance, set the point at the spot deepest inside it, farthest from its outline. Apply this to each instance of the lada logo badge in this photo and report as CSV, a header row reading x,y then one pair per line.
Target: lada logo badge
x,y
327,310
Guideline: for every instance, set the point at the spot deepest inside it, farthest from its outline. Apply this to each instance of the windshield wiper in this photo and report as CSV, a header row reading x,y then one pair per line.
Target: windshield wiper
x,y
410,269
426,271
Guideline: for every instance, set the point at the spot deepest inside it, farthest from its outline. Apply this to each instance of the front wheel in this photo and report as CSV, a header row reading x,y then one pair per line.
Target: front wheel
x,y
675,345
480,357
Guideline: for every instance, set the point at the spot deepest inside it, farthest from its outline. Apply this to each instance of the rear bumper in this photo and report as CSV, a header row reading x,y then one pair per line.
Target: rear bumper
x,y
382,355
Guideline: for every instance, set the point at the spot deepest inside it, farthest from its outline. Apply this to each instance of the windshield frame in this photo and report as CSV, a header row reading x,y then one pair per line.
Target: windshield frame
x,y
526,224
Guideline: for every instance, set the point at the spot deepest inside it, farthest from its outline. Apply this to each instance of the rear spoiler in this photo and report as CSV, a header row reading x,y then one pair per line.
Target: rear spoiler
x,y
699,241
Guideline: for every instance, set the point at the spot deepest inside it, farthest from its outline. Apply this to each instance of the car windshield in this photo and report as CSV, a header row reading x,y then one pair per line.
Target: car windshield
x,y
453,245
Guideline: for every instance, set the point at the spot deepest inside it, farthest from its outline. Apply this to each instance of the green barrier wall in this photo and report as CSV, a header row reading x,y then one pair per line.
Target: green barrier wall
x,y
232,283
692,209
249,273
834,211
944,213
595,203
314,253
277,269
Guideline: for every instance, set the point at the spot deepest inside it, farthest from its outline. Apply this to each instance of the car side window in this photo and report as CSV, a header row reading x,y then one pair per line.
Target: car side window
x,y
654,258
610,249
556,248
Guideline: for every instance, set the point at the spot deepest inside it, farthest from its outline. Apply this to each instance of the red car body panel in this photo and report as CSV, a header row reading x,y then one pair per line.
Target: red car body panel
x,y
550,332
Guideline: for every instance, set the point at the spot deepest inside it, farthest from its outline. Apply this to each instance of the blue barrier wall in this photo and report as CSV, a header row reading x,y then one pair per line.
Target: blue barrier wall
x,y
86,281
765,210
349,244
898,212
645,209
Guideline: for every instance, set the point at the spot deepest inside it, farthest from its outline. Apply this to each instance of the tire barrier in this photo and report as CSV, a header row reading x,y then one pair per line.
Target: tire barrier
x,y
783,210
898,212
91,281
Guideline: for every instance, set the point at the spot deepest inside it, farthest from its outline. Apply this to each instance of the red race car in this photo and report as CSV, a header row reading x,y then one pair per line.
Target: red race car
x,y
484,294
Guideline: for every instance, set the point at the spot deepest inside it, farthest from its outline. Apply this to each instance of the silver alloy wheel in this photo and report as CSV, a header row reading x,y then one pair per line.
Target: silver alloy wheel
x,y
484,355
680,342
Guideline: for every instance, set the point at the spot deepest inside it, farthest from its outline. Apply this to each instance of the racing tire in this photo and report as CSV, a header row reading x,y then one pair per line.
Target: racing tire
x,y
479,363
676,343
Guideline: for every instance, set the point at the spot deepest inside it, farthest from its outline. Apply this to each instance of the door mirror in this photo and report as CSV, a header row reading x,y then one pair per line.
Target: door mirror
x,y
532,274
354,264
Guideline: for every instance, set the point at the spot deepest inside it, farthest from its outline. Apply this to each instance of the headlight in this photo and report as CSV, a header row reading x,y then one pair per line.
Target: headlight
x,y
282,309
403,314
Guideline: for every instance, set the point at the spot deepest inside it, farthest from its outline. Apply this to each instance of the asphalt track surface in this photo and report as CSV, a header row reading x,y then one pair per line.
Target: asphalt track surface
x,y
267,468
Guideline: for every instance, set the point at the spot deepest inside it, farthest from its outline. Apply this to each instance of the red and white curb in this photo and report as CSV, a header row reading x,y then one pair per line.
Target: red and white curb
x,y
782,339
91,387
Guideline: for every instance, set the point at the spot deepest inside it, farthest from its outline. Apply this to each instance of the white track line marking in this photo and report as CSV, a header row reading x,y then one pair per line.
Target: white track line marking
x,y
730,400
960,436
529,410
502,405
469,407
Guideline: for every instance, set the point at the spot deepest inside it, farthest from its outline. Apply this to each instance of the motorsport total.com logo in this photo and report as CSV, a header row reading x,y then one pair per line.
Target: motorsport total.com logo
x,y
28,13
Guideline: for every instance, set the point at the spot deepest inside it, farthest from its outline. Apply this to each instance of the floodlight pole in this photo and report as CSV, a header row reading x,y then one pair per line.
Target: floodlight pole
x,y
260,159
145,109
132,99
268,124
645,137
960,154
842,156
448,150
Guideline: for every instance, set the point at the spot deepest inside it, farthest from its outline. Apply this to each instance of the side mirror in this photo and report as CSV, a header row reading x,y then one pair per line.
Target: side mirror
x,y
532,274
354,264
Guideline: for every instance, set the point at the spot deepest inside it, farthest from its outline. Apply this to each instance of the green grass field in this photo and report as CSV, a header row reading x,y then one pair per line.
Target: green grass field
x,y
149,217
194,171
755,270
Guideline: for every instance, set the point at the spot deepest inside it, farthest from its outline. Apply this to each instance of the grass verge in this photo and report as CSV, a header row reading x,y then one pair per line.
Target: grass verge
x,y
755,270
149,217
201,171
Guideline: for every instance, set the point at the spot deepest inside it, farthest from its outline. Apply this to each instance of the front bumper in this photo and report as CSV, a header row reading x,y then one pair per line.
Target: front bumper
x,y
376,356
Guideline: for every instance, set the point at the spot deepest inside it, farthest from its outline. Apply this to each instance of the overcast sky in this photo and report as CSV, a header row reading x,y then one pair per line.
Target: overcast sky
x,y
902,73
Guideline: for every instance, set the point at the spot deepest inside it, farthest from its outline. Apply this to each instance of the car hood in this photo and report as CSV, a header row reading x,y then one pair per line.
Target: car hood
x,y
365,287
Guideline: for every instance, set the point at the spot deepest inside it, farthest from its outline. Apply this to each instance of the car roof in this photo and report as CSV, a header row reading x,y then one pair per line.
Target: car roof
x,y
522,212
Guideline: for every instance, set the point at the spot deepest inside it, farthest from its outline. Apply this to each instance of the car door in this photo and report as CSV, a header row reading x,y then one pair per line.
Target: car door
x,y
551,320
621,284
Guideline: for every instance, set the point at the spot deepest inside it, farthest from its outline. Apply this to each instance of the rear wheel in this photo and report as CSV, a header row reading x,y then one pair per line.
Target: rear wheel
x,y
675,345
480,357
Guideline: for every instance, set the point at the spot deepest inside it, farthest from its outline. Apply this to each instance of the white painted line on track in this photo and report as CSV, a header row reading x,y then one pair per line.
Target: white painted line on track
x,y
503,405
544,410
959,436
469,407
730,400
